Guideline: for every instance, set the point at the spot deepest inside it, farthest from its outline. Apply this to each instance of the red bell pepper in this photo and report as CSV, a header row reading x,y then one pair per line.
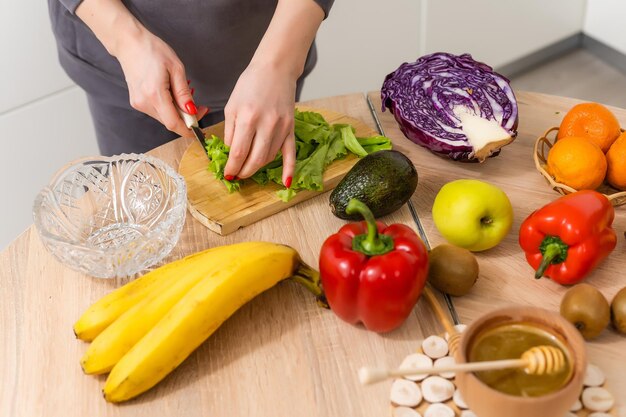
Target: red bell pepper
x,y
566,239
372,273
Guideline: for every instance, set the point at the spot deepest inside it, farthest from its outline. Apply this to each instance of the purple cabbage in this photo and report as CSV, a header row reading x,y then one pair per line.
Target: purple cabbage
x,y
424,97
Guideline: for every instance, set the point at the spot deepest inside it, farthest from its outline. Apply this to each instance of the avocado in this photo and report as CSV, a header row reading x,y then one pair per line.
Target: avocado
x,y
383,180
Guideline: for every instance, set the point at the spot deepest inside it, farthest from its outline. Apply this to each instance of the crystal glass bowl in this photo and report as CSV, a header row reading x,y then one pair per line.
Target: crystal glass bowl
x,y
112,217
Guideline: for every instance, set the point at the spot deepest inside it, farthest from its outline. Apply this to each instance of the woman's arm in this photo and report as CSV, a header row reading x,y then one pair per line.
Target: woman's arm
x,y
154,74
259,114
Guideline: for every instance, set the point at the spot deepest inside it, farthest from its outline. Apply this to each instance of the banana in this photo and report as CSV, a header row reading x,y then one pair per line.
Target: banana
x,y
106,310
197,315
117,339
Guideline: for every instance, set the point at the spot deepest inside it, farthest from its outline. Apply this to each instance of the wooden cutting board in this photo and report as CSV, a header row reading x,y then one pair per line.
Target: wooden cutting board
x,y
223,213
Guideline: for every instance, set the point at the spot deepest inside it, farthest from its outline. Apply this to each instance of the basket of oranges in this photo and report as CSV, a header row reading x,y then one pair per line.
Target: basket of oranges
x,y
586,152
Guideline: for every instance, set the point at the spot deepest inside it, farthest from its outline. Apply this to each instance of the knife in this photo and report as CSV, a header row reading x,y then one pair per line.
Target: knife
x,y
191,121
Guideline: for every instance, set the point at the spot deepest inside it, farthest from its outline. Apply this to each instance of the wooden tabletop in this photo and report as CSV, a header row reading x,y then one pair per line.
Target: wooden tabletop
x,y
280,354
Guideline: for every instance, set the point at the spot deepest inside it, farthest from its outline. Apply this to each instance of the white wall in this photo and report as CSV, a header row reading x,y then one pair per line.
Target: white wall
x,y
605,22
44,122
498,32
360,43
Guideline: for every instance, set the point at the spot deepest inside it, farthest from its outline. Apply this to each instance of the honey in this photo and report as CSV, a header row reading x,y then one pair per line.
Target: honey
x,y
510,341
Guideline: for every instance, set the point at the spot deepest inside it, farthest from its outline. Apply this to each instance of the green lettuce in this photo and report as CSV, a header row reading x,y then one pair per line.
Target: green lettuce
x,y
318,144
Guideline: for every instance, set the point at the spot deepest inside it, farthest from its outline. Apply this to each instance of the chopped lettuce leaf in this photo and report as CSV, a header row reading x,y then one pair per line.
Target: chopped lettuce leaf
x,y
286,194
309,172
374,140
232,186
336,150
351,142
275,175
303,150
311,127
375,143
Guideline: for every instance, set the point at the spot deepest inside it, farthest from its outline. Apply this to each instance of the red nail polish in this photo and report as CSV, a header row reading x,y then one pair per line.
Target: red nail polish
x,y
192,91
288,182
188,82
229,177
191,108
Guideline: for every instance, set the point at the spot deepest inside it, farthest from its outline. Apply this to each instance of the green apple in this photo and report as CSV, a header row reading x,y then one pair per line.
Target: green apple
x,y
472,214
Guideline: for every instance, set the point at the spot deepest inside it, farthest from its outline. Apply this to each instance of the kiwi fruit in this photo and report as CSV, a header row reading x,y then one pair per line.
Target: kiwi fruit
x,y
618,311
452,270
587,309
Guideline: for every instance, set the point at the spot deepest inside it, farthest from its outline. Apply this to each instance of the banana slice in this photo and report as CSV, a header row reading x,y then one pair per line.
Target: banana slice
x,y
460,328
594,377
405,393
468,413
597,399
405,412
599,414
434,346
416,360
445,361
439,410
577,406
436,389
458,399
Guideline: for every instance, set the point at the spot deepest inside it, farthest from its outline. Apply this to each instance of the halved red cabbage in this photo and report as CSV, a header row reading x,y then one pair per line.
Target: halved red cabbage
x,y
452,105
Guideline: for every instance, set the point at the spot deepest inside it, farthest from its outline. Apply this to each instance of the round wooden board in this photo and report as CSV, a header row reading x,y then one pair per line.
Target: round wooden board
x,y
423,405
211,204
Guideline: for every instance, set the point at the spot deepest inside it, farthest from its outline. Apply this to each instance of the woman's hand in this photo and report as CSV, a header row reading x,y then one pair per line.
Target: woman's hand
x,y
259,114
259,121
157,82
155,76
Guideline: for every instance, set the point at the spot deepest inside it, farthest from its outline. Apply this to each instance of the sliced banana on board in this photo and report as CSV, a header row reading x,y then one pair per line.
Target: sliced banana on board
x,y
436,389
594,377
577,406
434,346
446,361
458,400
597,399
439,410
416,360
406,393
405,412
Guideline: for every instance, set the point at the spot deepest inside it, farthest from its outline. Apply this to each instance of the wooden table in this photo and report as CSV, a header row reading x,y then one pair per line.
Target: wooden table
x,y
281,354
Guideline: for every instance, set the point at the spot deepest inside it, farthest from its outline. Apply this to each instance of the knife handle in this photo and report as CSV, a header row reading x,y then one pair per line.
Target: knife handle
x,y
189,119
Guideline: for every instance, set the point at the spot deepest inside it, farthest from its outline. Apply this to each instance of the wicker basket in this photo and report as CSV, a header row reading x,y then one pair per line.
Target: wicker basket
x,y
542,147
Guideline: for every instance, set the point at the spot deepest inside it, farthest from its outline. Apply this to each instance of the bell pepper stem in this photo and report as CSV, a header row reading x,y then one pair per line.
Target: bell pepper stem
x,y
371,243
310,279
553,251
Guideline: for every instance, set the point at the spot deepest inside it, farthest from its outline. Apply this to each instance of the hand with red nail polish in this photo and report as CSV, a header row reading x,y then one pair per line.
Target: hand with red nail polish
x,y
259,121
259,115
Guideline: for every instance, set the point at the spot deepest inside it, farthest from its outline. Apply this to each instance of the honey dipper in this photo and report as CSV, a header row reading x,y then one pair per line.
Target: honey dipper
x,y
538,360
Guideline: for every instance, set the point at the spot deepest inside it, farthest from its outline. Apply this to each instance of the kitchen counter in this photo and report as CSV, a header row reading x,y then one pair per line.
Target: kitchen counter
x,y
281,354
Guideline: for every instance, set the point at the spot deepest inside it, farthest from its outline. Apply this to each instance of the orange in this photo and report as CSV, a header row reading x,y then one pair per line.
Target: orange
x,y
616,159
577,162
592,121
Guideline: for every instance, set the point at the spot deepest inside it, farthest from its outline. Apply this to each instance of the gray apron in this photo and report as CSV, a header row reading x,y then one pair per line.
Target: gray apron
x,y
215,40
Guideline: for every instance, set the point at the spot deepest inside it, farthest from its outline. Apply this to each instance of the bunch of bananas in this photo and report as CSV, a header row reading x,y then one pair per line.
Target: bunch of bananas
x,y
145,329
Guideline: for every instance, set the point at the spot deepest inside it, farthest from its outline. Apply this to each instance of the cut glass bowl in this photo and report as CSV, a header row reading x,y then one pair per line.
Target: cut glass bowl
x,y
112,216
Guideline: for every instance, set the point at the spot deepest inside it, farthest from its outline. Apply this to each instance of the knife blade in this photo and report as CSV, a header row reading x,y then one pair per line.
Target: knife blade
x,y
191,121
